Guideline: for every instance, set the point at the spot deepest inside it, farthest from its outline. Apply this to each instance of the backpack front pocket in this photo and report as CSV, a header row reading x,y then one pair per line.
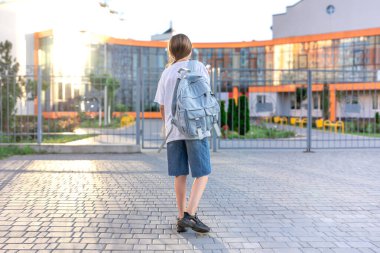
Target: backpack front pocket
x,y
196,119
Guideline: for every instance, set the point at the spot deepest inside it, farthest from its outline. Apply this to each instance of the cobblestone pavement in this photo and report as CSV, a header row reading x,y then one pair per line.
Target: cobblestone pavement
x,y
256,201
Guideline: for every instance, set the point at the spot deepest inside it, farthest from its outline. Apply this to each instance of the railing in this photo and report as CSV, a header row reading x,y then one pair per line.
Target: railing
x,y
261,108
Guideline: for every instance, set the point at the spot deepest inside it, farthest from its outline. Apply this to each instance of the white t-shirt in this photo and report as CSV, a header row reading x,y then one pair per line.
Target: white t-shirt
x,y
165,90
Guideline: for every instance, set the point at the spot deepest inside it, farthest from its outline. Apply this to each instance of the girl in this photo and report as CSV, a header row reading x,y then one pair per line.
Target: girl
x,y
183,152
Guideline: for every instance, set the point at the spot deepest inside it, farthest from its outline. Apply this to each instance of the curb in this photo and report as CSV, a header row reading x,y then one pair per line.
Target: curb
x,y
81,149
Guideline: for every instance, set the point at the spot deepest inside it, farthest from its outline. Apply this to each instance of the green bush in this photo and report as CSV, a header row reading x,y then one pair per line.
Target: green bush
x,y
370,128
26,123
223,115
63,124
83,116
325,101
244,124
121,107
232,115
377,118
350,126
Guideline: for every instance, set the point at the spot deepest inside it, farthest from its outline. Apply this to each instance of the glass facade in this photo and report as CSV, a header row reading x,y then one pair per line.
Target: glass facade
x,y
345,60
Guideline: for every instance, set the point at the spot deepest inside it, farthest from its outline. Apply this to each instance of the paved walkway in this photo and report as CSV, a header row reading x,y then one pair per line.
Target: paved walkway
x,y
256,201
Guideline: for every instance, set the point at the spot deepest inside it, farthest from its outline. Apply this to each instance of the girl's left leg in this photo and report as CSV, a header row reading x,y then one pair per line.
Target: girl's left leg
x,y
196,193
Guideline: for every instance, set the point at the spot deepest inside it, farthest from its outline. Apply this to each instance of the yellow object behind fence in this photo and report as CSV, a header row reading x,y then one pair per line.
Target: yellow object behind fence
x,y
339,124
336,125
126,121
319,123
281,120
301,121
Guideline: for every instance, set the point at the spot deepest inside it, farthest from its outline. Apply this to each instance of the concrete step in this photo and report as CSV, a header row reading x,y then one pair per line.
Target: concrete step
x,y
83,149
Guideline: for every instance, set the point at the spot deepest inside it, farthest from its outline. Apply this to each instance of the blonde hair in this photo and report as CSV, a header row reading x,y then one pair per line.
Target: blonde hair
x,y
179,47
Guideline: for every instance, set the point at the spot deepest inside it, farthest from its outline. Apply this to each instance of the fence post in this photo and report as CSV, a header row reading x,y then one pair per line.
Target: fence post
x,y
39,106
138,103
309,105
213,80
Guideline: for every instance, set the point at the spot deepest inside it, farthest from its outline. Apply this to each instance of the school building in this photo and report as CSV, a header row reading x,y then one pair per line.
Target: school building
x,y
338,40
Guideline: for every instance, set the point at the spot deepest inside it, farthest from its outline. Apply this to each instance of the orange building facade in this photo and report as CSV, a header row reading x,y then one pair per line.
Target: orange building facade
x,y
345,68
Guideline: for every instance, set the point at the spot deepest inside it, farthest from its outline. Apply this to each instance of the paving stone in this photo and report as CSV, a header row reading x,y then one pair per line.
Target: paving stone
x,y
283,201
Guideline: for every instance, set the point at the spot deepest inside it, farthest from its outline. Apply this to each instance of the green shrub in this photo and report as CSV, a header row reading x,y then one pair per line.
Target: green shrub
x,y
232,115
325,101
370,128
244,124
377,118
26,123
350,127
121,107
223,115
63,124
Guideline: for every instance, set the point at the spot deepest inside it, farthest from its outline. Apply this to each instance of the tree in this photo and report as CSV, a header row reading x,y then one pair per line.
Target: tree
x,y
325,102
223,116
31,87
10,86
301,95
99,82
244,122
232,117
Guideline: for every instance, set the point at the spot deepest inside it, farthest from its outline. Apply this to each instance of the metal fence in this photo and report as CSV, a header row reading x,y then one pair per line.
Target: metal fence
x,y
86,109
298,109
291,109
261,108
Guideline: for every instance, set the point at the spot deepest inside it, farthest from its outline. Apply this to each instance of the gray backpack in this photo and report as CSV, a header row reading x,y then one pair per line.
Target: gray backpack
x,y
195,110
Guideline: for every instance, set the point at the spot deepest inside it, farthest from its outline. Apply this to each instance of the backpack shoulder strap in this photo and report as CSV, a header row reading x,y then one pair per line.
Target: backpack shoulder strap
x,y
174,100
166,138
192,65
182,73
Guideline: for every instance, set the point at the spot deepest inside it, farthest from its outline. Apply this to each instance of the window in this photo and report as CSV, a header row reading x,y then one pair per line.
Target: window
x,y
359,57
302,61
261,99
60,91
67,91
375,101
315,102
352,99
76,93
293,103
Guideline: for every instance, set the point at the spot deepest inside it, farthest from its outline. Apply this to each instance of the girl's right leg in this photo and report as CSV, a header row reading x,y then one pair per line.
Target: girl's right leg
x,y
178,166
180,193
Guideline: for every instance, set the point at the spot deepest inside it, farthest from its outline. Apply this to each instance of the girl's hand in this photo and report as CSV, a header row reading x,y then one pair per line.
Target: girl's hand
x,y
163,131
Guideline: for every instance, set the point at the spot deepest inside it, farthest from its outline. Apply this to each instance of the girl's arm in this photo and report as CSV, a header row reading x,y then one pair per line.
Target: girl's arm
x,y
162,111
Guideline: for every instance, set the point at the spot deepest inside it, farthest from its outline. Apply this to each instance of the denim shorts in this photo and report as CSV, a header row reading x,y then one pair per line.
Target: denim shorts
x,y
183,154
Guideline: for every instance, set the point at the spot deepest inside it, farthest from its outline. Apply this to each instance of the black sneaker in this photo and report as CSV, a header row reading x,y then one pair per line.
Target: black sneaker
x,y
194,223
180,229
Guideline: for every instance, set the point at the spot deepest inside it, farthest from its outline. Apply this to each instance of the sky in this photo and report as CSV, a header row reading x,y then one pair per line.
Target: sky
x,y
201,20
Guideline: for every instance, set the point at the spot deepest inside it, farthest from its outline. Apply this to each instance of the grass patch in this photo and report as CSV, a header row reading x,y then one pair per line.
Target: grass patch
x,y
6,151
376,135
59,138
94,123
65,138
261,132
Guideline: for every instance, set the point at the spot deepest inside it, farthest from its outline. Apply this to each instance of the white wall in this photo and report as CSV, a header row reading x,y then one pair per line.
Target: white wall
x,y
310,17
366,107
20,19
9,27
270,97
